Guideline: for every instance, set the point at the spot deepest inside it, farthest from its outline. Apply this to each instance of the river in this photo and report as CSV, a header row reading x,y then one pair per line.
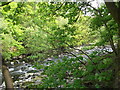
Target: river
x,y
23,72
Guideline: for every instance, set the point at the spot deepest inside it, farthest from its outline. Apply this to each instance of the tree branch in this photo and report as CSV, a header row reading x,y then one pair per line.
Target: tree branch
x,y
76,57
6,3
59,7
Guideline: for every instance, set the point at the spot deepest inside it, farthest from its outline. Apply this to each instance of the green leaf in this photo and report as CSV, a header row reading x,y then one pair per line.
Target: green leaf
x,y
13,5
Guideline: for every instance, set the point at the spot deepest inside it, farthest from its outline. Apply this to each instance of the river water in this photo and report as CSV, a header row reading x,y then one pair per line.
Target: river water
x,y
23,72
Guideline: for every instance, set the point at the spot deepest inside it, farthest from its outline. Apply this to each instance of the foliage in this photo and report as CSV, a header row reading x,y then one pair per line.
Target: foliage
x,y
44,29
70,73
35,28
103,26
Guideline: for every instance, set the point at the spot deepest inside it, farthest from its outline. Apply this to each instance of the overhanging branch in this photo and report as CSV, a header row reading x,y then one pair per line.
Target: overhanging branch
x,y
6,3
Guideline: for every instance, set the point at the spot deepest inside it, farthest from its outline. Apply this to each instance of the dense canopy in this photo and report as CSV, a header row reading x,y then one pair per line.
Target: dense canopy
x,y
82,40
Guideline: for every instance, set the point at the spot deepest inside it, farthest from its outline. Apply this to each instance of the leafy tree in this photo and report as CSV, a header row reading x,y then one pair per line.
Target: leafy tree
x,y
40,30
114,8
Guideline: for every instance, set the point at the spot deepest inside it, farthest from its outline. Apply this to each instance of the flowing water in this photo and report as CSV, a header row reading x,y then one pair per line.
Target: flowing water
x,y
23,72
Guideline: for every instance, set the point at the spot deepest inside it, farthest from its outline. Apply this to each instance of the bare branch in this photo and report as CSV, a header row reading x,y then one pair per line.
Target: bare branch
x,y
76,57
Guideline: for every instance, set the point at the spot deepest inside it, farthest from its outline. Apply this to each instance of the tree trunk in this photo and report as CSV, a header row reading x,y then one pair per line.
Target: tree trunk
x,y
117,63
113,46
117,73
7,78
118,45
6,74
115,12
117,69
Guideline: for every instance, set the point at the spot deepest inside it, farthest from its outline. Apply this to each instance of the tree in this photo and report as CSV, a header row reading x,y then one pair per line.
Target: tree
x,y
30,29
114,8
34,29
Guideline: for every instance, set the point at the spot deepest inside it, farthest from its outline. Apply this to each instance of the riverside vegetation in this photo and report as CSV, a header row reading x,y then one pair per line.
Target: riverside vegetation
x,y
33,32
